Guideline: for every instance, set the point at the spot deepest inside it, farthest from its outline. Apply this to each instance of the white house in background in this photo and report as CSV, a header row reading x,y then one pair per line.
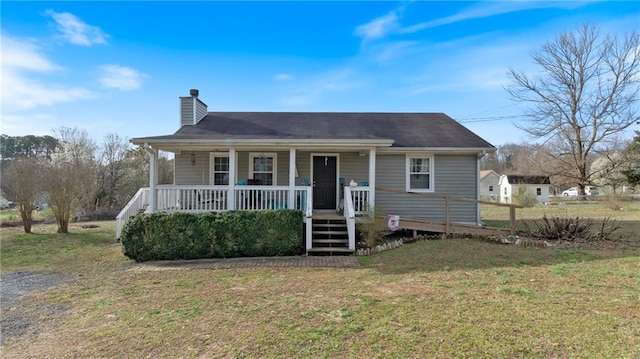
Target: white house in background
x,y
489,186
515,185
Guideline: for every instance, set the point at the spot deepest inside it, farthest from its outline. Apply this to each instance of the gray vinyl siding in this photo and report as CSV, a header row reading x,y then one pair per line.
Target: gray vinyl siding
x,y
201,110
282,167
187,174
354,167
186,111
454,175
303,163
243,166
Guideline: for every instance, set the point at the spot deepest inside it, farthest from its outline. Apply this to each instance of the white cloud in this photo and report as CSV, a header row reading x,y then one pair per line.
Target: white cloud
x,y
120,77
388,52
489,9
38,124
282,77
378,27
22,93
76,31
390,23
23,54
22,62
316,88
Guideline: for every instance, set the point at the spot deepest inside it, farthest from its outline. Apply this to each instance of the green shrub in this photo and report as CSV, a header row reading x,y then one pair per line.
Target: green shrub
x,y
212,235
524,198
372,228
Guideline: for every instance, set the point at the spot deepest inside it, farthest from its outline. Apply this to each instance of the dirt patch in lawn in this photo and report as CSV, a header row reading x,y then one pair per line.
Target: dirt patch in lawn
x,y
19,315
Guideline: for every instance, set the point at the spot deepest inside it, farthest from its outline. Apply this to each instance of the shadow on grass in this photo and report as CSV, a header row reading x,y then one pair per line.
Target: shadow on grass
x,y
470,254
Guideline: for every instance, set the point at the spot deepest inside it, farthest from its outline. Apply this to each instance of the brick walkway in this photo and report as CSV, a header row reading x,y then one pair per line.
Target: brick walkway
x,y
301,261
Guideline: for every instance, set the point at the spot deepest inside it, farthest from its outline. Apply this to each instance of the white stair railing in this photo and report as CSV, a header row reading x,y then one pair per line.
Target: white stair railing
x,y
350,217
308,217
138,202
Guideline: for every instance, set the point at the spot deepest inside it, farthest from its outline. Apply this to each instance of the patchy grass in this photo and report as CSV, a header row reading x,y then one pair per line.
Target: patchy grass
x,y
627,216
13,215
630,211
430,299
82,249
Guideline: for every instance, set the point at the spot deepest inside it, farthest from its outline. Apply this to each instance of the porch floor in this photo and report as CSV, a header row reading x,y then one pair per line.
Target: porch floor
x,y
326,214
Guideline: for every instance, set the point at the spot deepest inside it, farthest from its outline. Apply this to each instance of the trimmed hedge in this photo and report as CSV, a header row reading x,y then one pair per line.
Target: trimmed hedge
x,y
160,236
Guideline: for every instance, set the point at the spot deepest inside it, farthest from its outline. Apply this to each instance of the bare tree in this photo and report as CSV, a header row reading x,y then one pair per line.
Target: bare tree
x,y
587,91
523,159
21,179
112,170
70,177
165,169
632,154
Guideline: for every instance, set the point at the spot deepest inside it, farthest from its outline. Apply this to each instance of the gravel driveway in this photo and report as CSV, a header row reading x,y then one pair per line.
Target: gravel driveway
x,y
17,317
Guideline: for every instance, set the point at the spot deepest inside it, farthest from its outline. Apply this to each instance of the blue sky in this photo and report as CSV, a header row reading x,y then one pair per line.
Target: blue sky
x,y
121,66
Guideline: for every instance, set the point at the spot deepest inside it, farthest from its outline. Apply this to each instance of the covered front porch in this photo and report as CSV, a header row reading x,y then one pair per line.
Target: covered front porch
x,y
317,181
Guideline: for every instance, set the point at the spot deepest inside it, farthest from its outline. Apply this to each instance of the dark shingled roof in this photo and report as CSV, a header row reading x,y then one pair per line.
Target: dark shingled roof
x,y
406,129
519,179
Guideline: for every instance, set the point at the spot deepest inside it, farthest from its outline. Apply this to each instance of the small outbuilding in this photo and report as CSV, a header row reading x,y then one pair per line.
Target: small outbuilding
x,y
489,186
520,188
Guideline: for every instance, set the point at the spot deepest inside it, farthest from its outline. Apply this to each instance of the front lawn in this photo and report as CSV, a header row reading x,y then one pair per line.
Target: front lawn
x,y
430,299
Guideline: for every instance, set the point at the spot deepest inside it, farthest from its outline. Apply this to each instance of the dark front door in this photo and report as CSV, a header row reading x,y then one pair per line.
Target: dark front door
x,y
324,182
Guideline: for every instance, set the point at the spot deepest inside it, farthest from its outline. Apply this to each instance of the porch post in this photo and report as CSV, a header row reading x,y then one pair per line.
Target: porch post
x,y
292,178
372,178
231,198
153,179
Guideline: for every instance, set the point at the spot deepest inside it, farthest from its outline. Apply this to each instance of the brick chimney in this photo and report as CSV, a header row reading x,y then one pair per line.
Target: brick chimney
x,y
192,110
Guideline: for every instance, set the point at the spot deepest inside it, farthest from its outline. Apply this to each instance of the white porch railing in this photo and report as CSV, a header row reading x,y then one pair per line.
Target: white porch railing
x,y
199,198
360,197
137,203
250,198
191,198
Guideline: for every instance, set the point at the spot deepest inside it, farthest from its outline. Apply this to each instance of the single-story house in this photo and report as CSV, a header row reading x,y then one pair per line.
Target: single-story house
x,y
489,186
538,187
324,164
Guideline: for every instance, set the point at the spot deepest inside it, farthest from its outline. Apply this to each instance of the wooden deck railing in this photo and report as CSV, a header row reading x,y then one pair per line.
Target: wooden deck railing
x,y
447,206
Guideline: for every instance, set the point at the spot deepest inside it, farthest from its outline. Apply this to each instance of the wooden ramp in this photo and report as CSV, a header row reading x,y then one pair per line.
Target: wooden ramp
x,y
449,227
416,224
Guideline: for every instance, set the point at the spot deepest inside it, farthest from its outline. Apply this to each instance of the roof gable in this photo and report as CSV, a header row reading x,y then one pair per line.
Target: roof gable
x,y
485,173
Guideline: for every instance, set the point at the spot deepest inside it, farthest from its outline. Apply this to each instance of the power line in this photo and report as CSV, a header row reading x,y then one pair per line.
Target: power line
x,y
487,119
501,108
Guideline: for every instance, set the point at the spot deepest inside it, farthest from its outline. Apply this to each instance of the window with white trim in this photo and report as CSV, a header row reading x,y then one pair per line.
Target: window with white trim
x,y
219,169
419,173
263,167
